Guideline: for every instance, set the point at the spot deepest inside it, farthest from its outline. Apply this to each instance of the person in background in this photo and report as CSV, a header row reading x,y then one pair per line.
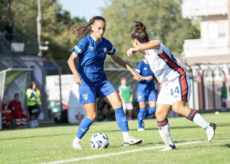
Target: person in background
x,y
223,96
39,103
145,92
32,103
125,93
17,112
7,118
9,32
106,112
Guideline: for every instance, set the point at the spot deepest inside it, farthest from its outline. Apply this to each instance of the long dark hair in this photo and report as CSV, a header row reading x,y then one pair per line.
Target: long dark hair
x,y
139,32
30,86
84,30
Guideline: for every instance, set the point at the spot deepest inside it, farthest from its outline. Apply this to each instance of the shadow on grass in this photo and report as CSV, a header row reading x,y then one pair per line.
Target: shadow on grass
x,y
227,145
175,127
44,125
153,144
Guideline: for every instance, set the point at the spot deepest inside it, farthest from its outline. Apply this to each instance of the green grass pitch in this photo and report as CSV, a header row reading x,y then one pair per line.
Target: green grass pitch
x,y
51,143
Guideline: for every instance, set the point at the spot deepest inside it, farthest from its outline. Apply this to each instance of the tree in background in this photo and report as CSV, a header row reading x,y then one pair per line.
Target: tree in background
x,y
55,24
162,18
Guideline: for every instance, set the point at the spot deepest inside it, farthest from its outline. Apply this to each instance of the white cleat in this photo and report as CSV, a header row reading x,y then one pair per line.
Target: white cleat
x,y
32,124
210,130
76,145
170,147
140,129
36,123
132,141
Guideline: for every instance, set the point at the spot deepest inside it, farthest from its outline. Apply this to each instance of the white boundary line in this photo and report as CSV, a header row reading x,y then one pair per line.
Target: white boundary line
x,y
124,152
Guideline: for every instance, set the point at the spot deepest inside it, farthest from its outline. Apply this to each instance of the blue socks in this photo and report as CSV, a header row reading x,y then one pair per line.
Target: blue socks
x,y
150,111
84,127
143,114
140,117
121,119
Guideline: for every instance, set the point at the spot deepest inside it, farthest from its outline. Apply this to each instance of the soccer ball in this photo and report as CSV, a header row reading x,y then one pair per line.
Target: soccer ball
x,y
99,141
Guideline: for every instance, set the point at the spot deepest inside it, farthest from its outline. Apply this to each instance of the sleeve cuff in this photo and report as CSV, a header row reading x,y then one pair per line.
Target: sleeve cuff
x,y
112,51
138,71
75,51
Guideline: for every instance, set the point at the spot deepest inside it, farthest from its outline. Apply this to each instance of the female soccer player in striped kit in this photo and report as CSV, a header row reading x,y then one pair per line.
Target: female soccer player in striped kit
x,y
175,90
92,51
145,91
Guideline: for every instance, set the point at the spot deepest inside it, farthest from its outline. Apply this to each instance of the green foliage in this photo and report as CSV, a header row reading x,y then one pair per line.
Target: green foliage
x,y
55,24
52,142
162,18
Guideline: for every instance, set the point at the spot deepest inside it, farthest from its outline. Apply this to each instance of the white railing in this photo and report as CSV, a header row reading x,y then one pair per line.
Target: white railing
x,y
197,8
202,47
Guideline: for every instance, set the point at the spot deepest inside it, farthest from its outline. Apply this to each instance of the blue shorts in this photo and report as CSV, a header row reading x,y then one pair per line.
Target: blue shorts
x,y
88,94
143,97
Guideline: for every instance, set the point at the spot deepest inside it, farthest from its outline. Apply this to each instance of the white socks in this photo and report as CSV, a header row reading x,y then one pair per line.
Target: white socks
x,y
166,135
199,120
77,139
125,135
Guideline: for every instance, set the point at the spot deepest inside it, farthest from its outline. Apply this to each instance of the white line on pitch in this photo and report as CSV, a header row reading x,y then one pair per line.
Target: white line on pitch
x,y
124,152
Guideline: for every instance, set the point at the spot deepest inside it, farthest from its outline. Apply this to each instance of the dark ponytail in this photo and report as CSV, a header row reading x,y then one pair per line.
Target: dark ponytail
x,y
139,32
84,30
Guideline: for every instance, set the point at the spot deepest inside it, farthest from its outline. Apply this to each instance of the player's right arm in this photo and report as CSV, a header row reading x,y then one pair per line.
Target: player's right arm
x,y
78,50
142,47
72,67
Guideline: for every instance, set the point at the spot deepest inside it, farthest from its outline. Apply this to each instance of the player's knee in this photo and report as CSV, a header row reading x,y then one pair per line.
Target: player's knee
x,y
178,109
158,114
116,104
119,104
92,116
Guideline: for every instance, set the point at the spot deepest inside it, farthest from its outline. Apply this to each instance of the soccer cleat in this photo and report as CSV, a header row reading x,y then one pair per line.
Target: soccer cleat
x,y
32,125
23,126
210,130
170,147
140,129
76,145
36,123
132,141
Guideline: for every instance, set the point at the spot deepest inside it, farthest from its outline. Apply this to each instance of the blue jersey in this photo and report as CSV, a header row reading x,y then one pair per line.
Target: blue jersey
x,y
147,85
92,54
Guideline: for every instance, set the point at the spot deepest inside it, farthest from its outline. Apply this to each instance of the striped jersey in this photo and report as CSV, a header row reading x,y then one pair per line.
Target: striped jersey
x,y
162,63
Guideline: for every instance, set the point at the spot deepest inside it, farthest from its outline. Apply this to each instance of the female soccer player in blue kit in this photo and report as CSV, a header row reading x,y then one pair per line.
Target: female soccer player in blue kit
x,y
145,91
92,51
176,86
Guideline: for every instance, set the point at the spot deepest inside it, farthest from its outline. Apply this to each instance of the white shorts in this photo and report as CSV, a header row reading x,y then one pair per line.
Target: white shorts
x,y
175,90
128,106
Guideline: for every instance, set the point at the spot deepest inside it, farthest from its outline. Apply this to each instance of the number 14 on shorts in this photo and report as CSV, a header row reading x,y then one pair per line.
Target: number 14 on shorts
x,y
175,90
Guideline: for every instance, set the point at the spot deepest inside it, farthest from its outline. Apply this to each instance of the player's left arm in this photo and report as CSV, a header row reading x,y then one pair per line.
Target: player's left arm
x,y
122,63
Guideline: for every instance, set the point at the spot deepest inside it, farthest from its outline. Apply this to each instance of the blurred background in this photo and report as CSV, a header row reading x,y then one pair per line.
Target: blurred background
x,y
35,44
